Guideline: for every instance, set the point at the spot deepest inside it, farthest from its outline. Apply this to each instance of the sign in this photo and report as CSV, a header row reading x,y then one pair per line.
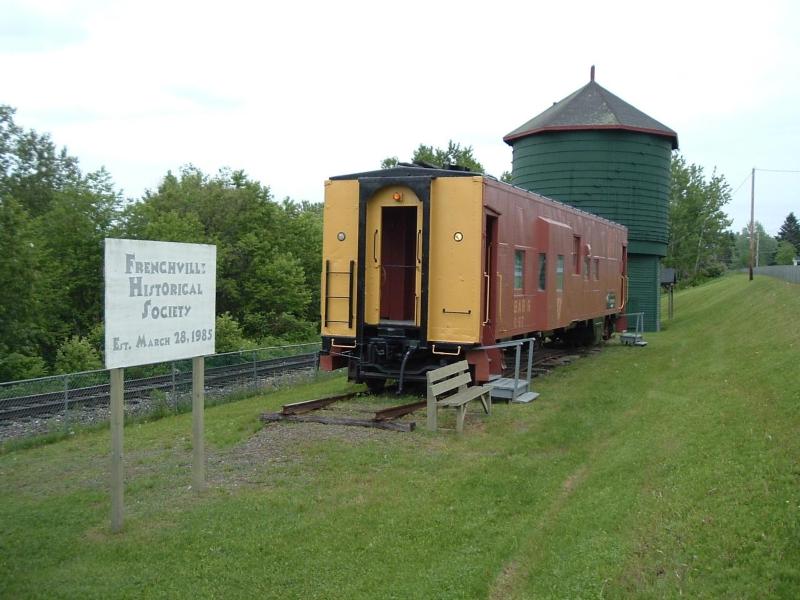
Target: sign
x,y
160,301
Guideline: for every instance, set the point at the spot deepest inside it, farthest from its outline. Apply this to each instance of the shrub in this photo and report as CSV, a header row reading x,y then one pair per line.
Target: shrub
x,y
16,366
77,354
229,336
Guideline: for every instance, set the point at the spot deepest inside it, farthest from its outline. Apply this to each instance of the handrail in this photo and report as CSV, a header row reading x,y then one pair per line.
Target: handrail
x,y
488,286
456,353
624,291
518,343
325,305
333,343
350,294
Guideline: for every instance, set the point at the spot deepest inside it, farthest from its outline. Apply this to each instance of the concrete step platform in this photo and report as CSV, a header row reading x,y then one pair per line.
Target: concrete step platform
x,y
503,388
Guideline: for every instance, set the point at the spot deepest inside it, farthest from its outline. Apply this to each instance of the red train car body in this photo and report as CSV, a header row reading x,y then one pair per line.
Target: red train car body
x,y
445,263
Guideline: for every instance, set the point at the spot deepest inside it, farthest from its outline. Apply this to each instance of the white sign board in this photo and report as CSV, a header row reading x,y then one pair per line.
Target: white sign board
x,y
160,301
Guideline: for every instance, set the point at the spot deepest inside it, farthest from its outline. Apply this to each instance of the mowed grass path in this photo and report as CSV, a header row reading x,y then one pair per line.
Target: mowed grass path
x,y
666,471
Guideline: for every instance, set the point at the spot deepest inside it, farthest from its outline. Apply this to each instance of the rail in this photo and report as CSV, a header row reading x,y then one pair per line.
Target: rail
x,y
63,393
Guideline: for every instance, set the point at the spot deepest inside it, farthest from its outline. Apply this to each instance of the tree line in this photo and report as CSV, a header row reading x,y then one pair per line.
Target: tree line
x,y
54,218
701,245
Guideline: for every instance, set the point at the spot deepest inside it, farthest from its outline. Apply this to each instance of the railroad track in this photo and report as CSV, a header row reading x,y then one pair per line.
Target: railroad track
x,y
544,359
56,401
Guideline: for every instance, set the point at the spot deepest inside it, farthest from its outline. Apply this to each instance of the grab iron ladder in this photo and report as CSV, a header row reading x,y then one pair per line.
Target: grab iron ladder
x,y
328,297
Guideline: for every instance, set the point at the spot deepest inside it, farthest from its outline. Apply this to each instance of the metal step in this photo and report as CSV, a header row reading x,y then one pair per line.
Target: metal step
x,y
503,388
526,397
632,339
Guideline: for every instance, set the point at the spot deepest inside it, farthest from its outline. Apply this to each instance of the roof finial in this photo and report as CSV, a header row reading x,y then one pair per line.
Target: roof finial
x,y
591,73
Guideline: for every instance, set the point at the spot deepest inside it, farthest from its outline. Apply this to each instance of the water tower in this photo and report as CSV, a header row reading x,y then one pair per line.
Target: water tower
x,y
595,151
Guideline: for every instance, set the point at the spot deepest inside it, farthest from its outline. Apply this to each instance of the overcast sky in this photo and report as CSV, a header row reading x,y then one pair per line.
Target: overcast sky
x,y
295,92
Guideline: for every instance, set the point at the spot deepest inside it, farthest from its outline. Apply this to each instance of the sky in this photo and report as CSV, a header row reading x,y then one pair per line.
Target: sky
x,y
296,92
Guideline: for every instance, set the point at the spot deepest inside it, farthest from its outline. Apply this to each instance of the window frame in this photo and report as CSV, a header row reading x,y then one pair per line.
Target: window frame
x,y
560,273
576,254
542,283
519,269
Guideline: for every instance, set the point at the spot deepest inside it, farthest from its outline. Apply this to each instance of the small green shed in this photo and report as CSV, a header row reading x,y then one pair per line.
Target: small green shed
x,y
595,151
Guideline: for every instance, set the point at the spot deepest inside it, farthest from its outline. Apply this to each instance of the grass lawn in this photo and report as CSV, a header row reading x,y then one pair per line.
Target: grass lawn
x,y
666,471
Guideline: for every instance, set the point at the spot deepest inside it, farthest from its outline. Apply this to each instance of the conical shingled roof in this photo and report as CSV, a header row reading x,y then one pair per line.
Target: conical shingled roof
x,y
592,107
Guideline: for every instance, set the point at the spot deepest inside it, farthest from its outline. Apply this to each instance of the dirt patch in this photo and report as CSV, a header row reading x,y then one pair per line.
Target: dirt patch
x,y
278,446
574,480
505,582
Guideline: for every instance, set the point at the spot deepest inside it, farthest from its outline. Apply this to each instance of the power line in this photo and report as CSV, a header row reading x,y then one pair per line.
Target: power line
x,y
747,177
777,171
741,184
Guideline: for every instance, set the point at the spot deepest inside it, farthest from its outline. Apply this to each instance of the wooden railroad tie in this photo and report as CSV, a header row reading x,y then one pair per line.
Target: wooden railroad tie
x,y
390,425
383,419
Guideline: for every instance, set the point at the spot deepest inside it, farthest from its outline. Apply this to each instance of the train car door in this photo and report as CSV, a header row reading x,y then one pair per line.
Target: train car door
x,y
393,257
489,303
398,263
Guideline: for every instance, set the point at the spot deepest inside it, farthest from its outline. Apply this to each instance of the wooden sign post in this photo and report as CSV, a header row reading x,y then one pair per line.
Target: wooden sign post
x,y
198,444
117,428
160,307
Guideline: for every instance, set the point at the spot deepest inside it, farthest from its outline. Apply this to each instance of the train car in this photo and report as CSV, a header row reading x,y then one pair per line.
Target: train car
x,y
423,266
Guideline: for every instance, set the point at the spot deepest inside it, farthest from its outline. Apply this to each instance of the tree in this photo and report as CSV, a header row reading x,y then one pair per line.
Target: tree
x,y
20,315
53,219
300,230
268,254
698,241
32,169
785,253
764,247
80,217
790,231
439,158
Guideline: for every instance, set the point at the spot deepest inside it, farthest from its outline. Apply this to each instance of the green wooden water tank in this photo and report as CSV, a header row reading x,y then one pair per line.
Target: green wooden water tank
x,y
595,151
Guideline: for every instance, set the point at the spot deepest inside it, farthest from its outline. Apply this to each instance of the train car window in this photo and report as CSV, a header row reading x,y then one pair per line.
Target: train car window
x,y
597,269
576,255
586,265
560,272
519,269
542,271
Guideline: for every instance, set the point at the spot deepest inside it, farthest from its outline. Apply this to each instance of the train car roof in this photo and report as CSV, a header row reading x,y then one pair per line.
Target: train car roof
x,y
412,170
425,170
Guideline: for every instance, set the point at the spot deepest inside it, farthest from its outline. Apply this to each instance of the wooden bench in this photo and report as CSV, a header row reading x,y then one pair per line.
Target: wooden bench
x,y
454,377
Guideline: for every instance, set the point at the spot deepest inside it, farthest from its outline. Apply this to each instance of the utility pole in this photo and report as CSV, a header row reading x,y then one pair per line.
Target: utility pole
x,y
758,247
752,218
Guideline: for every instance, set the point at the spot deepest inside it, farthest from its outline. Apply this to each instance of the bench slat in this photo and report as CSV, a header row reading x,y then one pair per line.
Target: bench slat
x,y
446,371
451,384
463,397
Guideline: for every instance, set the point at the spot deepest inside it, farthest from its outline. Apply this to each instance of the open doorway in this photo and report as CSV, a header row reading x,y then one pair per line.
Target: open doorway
x,y
398,263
